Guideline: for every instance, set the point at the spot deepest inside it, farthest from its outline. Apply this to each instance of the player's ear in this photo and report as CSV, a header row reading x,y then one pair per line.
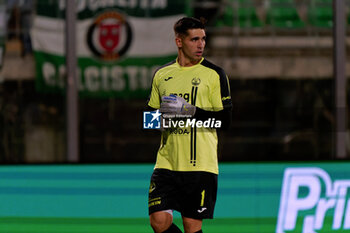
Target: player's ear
x,y
178,41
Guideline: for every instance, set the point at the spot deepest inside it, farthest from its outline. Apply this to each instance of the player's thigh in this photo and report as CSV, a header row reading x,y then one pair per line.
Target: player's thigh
x,y
162,192
191,225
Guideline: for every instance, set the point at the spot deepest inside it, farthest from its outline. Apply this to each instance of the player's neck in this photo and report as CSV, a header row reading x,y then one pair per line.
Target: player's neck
x,y
186,62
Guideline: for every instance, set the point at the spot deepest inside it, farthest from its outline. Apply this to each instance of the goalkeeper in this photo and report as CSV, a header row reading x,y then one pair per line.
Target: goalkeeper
x,y
185,174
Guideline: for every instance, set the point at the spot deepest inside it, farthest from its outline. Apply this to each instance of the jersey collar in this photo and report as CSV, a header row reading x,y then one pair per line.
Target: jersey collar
x,y
189,67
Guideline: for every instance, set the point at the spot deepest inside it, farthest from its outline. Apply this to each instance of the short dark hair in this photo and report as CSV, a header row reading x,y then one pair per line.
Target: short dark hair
x,y
185,23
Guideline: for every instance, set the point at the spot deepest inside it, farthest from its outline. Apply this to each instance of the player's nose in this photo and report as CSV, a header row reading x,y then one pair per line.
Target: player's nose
x,y
201,44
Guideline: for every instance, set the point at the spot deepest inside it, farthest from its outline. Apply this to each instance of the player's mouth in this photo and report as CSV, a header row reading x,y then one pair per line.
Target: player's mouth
x,y
199,53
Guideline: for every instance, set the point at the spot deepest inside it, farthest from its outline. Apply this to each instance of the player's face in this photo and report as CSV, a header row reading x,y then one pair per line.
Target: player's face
x,y
192,45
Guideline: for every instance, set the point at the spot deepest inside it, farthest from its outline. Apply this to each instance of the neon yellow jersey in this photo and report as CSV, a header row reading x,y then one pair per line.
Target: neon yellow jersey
x,y
205,86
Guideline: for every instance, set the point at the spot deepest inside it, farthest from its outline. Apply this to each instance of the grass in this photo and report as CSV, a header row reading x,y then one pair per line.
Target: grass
x,y
119,225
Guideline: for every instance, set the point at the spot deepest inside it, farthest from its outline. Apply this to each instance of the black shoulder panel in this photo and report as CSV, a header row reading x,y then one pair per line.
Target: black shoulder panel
x,y
225,88
168,64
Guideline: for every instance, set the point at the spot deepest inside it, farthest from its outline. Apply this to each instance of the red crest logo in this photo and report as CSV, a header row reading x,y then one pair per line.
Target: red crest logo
x,y
109,36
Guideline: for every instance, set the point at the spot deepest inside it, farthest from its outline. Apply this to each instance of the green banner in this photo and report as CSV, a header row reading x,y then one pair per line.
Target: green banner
x,y
252,198
119,45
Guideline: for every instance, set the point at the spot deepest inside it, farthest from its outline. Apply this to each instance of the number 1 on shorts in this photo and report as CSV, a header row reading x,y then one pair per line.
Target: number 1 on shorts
x,y
203,196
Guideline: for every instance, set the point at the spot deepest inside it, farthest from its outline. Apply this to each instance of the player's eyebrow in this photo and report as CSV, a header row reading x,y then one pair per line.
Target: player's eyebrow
x,y
197,38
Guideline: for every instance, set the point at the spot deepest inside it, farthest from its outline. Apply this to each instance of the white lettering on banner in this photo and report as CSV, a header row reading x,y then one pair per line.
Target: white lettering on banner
x,y
92,81
49,74
118,82
291,203
145,81
96,4
132,71
103,78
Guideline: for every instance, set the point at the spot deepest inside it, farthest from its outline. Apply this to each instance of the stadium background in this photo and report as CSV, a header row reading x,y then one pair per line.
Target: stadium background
x,y
278,55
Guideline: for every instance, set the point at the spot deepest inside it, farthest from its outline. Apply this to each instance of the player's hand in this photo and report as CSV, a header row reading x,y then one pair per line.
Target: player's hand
x,y
177,106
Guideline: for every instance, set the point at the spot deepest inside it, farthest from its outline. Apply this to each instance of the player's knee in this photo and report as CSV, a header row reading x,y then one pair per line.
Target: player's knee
x,y
160,221
192,225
